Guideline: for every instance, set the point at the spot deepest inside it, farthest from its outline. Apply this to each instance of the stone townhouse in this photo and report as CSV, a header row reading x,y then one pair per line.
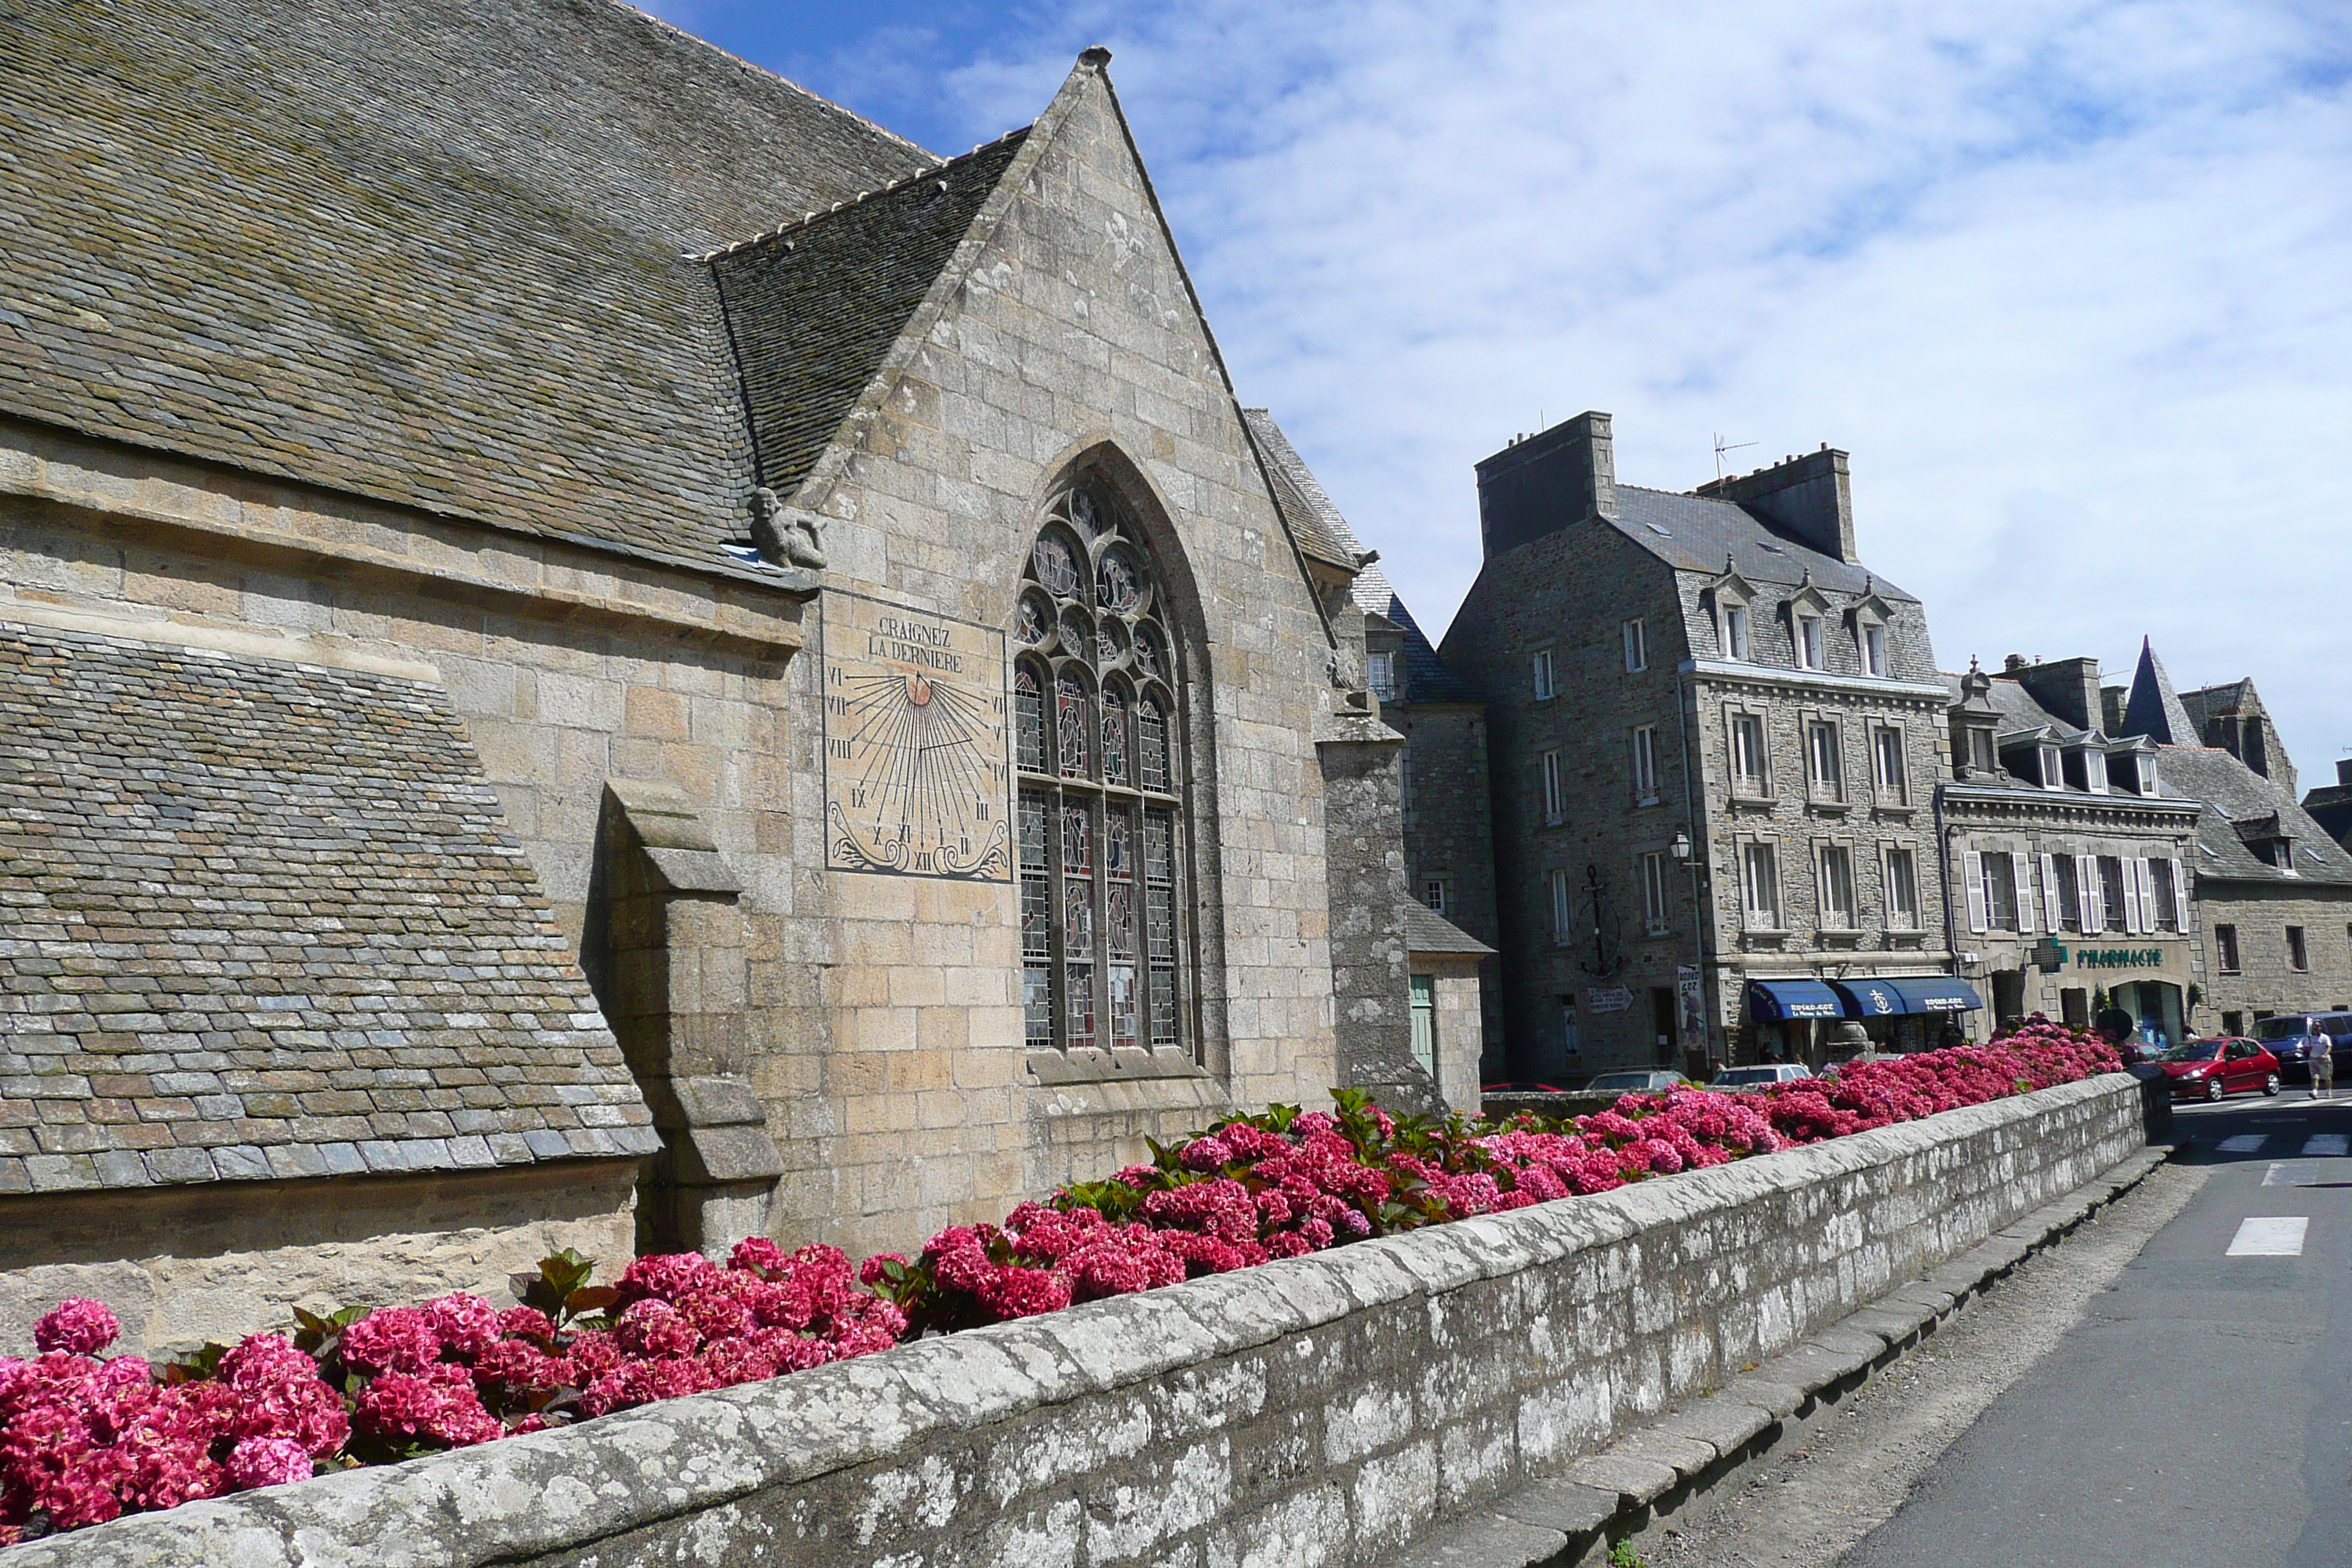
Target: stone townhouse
x,y
2272,892
2066,856
597,650
1715,737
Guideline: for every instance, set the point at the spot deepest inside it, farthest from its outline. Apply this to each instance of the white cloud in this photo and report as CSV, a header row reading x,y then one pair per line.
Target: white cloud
x,y
2069,280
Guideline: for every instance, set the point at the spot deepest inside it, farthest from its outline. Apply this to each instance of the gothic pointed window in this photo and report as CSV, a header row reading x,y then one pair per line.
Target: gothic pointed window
x,y
1097,700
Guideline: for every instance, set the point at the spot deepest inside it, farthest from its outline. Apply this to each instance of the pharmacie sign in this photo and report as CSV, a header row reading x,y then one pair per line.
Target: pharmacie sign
x,y
2113,957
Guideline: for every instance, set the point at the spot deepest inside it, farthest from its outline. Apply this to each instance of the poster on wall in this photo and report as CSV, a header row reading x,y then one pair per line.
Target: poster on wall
x,y
1609,998
1693,1006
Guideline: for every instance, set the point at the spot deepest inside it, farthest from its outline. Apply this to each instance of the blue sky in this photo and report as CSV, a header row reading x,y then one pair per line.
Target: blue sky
x,y
2072,281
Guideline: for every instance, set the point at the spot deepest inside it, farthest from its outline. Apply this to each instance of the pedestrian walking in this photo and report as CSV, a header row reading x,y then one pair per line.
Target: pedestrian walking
x,y
2323,1068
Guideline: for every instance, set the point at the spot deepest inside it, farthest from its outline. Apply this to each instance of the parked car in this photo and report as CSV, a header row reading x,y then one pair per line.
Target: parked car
x,y
1520,1088
1760,1077
1640,1081
2208,1069
2293,1037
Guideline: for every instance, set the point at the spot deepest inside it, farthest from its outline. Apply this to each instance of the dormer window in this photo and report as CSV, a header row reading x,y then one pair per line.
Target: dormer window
x,y
2053,771
1808,641
1980,753
1735,632
2145,767
1382,668
1873,650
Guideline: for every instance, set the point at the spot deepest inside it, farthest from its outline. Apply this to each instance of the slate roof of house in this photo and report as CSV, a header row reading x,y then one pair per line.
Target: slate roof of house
x,y
1426,930
2226,700
265,921
1696,533
813,309
429,251
2154,710
2233,793
1426,677
1315,521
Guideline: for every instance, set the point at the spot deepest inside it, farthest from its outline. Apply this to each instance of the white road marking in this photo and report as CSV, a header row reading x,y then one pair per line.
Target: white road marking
x,y
2270,1238
2328,1143
2291,1173
2243,1143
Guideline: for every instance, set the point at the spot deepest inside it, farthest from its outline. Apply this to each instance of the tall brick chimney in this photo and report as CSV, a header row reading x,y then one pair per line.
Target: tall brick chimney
x,y
1541,484
2066,688
1808,500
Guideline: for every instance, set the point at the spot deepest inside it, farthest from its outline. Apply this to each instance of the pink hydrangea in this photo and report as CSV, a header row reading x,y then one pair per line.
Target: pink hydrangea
x,y
268,1462
392,1339
438,1405
77,1325
467,1324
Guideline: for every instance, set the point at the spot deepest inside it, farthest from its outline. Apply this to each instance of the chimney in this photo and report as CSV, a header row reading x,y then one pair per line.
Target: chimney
x,y
1541,484
2068,688
1807,500
2344,771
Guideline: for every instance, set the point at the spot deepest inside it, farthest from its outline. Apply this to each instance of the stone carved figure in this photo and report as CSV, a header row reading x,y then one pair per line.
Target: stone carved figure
x,y
787,538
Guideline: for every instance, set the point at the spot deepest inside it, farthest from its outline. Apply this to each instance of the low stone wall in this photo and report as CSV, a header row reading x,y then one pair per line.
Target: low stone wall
x,y
1326,1409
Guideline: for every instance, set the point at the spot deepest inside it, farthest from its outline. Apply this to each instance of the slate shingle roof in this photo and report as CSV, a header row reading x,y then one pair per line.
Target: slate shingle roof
x,y
2233,792
1426,677
1426,930
2153,709
264,920
430,251
1317,524
1696,534
813,309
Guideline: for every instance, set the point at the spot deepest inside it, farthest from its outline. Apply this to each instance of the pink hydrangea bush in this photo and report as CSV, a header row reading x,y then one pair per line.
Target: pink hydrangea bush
x,y
83,1439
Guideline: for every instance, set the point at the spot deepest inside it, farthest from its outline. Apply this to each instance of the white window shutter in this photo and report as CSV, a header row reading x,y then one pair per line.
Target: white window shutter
x,y
2180,898
2087,893
2052,917
2132,925
1974,865
2021,873
2146,896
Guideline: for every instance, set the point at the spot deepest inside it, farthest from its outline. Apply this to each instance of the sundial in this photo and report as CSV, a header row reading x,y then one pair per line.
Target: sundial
x,y
914,742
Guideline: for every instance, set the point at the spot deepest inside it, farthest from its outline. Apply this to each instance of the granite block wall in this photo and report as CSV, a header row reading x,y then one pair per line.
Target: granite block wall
x,y
1322,1410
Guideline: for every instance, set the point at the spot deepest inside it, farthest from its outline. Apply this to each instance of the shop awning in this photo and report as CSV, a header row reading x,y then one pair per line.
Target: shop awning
x,y
1771,1000
1871,998
1931,993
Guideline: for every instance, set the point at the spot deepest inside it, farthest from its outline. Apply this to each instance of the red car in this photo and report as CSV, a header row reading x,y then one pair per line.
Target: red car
x,y
2208,1069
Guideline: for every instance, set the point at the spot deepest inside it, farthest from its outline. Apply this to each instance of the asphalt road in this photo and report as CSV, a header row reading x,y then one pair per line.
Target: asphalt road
x,y
2199,1413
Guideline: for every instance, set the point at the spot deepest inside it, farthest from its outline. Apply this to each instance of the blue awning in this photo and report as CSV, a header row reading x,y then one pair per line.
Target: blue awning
x,y
1871,998
1775,999
1933,994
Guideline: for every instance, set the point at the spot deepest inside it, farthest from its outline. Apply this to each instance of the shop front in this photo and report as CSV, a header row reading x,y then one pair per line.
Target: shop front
x,y
1793,1019
2140,990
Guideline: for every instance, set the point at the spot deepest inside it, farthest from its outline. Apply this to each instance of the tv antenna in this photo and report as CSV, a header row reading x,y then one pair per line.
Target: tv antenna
x,y
1721,447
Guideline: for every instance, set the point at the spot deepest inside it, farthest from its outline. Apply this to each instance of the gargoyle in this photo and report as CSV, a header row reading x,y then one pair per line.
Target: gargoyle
x,y
788,538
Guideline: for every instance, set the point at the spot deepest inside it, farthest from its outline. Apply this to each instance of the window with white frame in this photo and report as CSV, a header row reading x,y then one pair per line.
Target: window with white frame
x,y
2068,881
1760,885
1836,869
1381,668
1540,663
2164,895
1653,893
1637,645
1809,642
1645,764
2053,772
1563,914
1554,790
1735,632
1437,892
1902,890
2001,890
2111,891
1825,759
1886,760
1750,773
1874,648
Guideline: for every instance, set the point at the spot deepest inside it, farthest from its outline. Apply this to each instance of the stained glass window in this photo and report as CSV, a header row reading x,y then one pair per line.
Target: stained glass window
x,y
1101,825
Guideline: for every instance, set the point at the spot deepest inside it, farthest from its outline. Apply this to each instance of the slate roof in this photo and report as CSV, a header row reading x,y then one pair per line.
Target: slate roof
x,y
1426,930
2153,709
813,308
1426,677
2233,792
1313,520
265,921
1696,534
428,251
2225,701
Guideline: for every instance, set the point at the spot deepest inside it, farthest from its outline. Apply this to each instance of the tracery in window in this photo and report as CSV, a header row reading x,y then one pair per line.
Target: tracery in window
x,y
1101,812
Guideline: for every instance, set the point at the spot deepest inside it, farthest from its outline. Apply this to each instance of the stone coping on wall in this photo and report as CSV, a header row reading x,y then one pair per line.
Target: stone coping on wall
x,y
549,1493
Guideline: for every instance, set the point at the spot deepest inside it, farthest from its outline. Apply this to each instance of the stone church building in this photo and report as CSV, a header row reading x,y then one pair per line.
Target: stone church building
x,y
595,650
